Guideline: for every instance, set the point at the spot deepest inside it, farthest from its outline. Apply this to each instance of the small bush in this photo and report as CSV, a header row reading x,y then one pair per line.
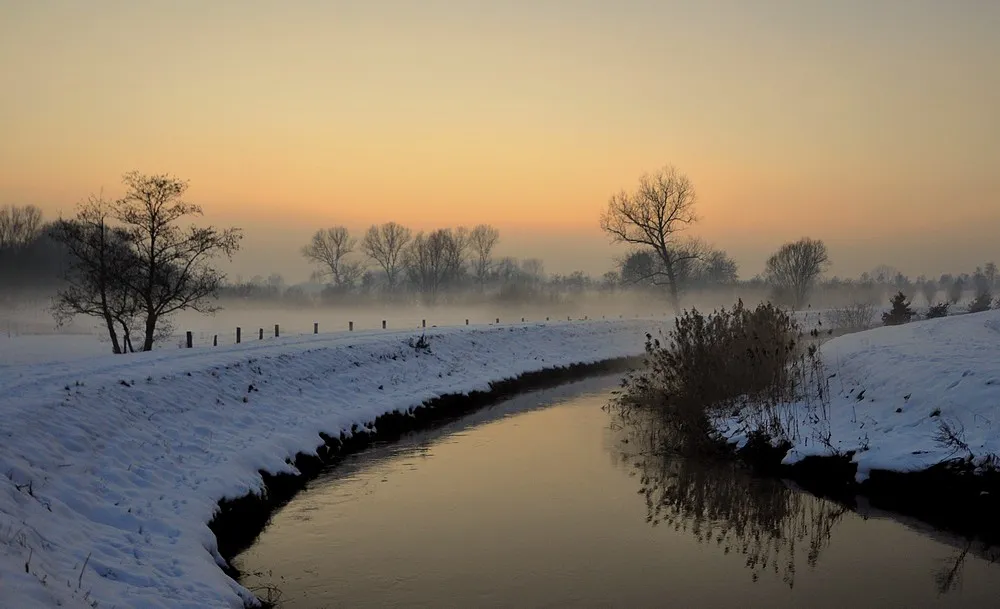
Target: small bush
x,y
981,303
856,316
938,310
712,365
900,313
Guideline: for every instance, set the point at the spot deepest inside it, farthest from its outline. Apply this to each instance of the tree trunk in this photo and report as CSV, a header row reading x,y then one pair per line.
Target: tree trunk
x,y
147,343
115,346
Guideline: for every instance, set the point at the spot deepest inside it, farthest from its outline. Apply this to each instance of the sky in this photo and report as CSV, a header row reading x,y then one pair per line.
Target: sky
x,y
871,124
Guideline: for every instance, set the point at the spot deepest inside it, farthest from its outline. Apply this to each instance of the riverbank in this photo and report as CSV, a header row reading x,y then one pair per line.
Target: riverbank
x,y
114,467
911,421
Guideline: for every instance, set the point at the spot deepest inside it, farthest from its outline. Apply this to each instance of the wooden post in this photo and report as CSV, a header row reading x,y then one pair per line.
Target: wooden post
x,y
215,340
466,322
423,323
383,324
546,319
522,320
498,320
190,340
239,332
276,330
350,326
261,336
315,327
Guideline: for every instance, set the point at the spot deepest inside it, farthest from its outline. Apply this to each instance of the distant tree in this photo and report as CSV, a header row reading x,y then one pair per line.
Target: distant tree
x,y
955,290
385,244
330,247
982,302
19,225
900,313
174,264
639,267
101,257
717,268
929,289
794,269
990,271
482,239
434,260
533,269
938,310
653,216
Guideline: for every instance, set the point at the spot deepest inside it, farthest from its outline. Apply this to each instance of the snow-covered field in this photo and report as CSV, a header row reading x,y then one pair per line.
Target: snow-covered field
x,y
895,387
112,466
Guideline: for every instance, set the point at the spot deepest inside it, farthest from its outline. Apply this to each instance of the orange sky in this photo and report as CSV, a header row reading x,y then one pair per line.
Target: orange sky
x,y
872,125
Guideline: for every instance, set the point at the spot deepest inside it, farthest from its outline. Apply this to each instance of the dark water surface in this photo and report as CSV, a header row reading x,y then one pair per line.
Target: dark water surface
x,y
540,502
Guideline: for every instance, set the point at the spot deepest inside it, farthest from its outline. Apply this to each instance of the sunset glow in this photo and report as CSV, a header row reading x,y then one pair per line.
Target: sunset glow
x,y
872,125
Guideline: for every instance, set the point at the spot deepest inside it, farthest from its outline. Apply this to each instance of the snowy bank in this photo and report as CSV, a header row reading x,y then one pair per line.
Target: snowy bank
x,y
894,389
112,467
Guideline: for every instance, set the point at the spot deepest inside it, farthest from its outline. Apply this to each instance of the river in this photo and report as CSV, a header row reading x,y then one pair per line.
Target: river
x,y
546,501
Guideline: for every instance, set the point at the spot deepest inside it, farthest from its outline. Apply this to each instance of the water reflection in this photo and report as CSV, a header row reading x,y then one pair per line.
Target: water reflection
x,y
529,505
775,526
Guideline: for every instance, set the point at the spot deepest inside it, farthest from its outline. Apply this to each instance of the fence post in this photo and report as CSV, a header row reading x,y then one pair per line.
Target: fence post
x,y
315,327
423,323
215,340
276,330
190,340
261,336
383,324
239,332
350,326
466,322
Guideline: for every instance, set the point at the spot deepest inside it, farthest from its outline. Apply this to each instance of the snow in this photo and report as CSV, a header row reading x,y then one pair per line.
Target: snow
x,y
933,371
112,466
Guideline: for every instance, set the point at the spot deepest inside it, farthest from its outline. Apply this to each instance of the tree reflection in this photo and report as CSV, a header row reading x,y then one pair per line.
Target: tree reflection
x,y
772,526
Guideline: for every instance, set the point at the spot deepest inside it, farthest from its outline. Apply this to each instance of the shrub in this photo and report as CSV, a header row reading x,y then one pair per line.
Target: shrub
x,y
856,316
981,303
938,310
900,313
711,365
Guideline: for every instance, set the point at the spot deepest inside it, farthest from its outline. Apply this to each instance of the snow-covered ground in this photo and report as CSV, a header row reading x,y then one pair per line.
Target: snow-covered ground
x,y
112,466
895,387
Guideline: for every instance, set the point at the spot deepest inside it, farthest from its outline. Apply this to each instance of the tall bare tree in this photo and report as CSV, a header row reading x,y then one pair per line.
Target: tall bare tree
x,y
330,248
19,225
174,263
794,269
434,260
101,263
482,239
384,243
653,216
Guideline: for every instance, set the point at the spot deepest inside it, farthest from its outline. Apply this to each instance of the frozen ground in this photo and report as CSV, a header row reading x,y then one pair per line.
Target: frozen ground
x,y
896,387
111,467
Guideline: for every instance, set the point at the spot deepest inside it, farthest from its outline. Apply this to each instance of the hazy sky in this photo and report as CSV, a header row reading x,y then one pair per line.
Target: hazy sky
x,y
872,124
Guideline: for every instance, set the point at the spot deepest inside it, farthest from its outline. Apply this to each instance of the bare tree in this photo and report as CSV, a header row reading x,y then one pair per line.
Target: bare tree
x,y
482,240
929,289
652,216
19,225
101,263
434,260
990,270
174,263
795,267
330,247
385,244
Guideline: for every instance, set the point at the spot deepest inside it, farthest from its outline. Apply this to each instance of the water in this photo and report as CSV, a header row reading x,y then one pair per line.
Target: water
x,y
541,502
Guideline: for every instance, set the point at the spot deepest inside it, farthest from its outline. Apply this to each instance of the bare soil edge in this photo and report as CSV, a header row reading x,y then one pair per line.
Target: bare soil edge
x,y
238,522
950,496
